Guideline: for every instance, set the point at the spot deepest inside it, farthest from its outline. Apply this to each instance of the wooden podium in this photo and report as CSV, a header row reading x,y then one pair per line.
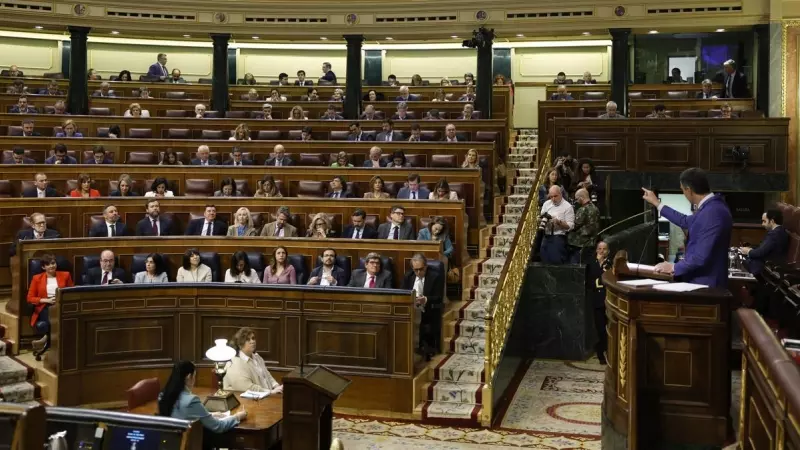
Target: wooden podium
x,y
667,379
308,397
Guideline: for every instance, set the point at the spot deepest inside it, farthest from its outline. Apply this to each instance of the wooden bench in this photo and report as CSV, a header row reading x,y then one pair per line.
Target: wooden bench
x,y
648,91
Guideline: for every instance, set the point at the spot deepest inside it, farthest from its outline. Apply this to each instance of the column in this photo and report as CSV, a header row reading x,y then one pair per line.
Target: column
x,y
761,87
620,66
352,101
483,89
219,73
78,94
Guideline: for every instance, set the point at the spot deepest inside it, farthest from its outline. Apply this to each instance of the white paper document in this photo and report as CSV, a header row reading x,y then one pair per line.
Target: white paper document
x,y
679,287
255,395
634,266
643,282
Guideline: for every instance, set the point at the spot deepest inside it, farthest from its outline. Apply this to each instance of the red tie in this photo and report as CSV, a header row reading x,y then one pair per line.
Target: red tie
x,y
105,278
155,228
372,281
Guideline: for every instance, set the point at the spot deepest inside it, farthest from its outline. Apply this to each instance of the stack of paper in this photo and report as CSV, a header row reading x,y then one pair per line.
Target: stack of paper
x,y
643,282
254,395
679,287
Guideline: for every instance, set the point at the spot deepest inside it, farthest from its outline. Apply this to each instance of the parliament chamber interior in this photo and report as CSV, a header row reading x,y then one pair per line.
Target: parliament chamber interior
x,y
303,225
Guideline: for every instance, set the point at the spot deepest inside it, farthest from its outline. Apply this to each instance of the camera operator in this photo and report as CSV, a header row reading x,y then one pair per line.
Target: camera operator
x,y
565,165
587,222
561,220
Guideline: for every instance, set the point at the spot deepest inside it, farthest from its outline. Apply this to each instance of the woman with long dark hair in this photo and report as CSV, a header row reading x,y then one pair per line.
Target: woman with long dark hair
x,y
178,402
240,271
553,177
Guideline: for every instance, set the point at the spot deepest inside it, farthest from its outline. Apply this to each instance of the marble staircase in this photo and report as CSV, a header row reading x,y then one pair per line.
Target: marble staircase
x,y
17,383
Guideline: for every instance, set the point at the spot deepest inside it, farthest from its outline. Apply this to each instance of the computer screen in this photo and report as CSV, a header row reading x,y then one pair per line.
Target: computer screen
x,y
128,438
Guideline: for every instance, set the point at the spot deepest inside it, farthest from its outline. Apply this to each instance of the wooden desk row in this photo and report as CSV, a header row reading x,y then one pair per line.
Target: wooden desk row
x,y
648,91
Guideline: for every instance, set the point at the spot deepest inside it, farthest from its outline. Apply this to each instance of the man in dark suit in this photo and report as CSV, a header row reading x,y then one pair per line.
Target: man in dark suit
x,y
60,156
111,226
18,157
203,159
237,159
402,112
374,159
104,91
209,225
372,276
338,185
106,273
41,188
706,93
158,70
428,285
99,156
414,191
27,128
358,228
357,135
388,134
280,158
39,231
12,71
561,94
450,134
331,114
405,96
153,224
772,248
328,274
397,228
22,107
327,73
369,113
735,81
301,79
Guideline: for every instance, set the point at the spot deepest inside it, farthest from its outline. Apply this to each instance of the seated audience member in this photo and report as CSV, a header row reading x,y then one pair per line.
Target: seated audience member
x,y
22,107
60,156
266,188
388,134
338,188
706,93
583,235
203,159
178,402
275,96
153,224
320,227
358,228
342,160
192,270
398,160
306,135
104,91
60,108
297,113
241,133
774,246
99,156
374,158
331,114
416,133
372,276
442,192
450,134
437,230
41,294
428,287
124,187
158,70
176,77
611,112
283,79
377,188
252,95
369,113
405,96
468,96
227,188
242,224
266,111
114,132
554,242
111,226
170,158
247,371
402,112
553,179
249,79
587,79
240,271
357,135
84,188
396,228
445,82
727,111
209,225
416,80
279,271
279,159
433,115
391,80
312,95
561,94
199,111
659,112
281,226
144,92
413,190
92,75
135,110
41,188
107,273
17,88
471,160
237,158
13,71
469,79
676,76
70,130
466,113
18,157
159,189
155,271
51,89
39,231
499,80
373,96
301,79
338,95
439,96
561,78
327,273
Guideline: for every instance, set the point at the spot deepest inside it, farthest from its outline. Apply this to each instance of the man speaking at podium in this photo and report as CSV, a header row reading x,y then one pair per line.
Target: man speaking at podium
x,y
706,260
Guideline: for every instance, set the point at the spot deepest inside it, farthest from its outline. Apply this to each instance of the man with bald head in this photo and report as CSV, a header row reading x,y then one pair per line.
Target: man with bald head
x,y
279,157
107,273
584,234
561,220
203,159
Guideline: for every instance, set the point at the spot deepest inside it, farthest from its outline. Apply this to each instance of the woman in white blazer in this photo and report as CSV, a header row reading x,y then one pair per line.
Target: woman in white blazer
x,y
240,271
247,370
193,271
442,192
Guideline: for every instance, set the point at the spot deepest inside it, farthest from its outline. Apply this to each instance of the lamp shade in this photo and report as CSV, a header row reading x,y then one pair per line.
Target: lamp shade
x,y
220,352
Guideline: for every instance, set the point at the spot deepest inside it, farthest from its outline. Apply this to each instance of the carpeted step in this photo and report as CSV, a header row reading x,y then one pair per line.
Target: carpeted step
x,y
502,241
473,310
513,209
522,189
452,414
468,328
13,371
519,164
20,392
466,345
528,181
460,368
447,392
516,199
488,280
491,266
511,218
484,294
499,252
506,229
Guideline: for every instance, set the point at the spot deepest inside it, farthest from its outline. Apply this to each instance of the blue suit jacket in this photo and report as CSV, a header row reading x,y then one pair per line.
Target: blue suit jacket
x,y
706,260
67,160
772,248
405,194
155,71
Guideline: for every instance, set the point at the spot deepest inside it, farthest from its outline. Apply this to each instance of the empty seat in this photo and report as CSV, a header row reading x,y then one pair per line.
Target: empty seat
x,y
689,113
140,133
194,187
372,133
237,114
14,130
311,159
243,188
594,95
179,133
211,259
417,160
300,269
5,189
429,135
177,113
212,134
268,135
212,115
463,136
307,188
486,136
175,94
635,95
677,94
204,80
141,158
102,132
443,161
339,135
257,262
99,111
144,391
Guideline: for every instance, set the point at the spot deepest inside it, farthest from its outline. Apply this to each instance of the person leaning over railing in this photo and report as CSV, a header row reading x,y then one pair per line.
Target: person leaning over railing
x,y
582,237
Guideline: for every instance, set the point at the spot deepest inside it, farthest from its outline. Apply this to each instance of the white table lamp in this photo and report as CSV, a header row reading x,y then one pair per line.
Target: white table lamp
x,y
220,353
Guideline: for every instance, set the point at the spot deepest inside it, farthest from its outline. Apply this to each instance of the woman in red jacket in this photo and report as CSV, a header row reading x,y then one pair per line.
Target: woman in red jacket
x,y
42,294
84,187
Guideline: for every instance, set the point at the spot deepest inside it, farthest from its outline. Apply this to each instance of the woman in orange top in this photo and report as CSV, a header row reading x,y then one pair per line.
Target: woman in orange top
x,y
84,187
42,294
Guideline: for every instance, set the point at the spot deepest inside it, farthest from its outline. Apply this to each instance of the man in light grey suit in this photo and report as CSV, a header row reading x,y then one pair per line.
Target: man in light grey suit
x,y
373,276
414,191
281,227
397,228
